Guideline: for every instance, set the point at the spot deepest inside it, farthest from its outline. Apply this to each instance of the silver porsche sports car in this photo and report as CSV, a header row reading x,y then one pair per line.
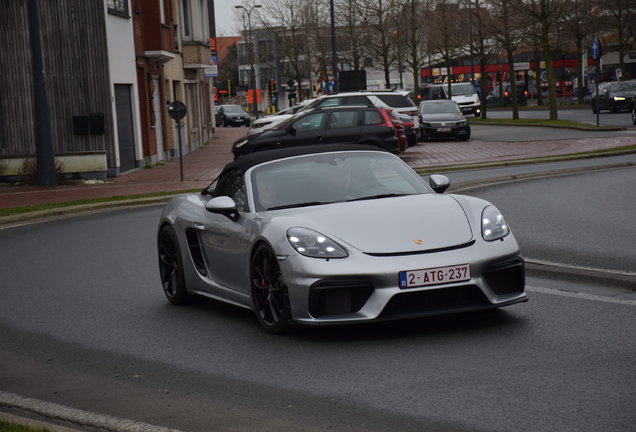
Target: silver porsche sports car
x,y
336,234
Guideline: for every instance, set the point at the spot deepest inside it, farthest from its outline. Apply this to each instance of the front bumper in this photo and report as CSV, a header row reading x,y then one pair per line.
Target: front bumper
x,y
232,121
364,288
454,132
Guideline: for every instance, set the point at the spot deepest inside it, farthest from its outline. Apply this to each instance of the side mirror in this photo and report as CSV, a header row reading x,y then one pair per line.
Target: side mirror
x,y
439,183
223,205
292,131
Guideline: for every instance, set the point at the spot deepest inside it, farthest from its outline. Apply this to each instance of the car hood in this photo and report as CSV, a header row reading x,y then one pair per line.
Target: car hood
x,y
273,119
625,94
391,225
440,117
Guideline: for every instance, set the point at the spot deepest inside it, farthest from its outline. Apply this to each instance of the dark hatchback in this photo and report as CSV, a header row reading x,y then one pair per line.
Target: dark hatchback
x,y
442,119
326,125
231,115
614,96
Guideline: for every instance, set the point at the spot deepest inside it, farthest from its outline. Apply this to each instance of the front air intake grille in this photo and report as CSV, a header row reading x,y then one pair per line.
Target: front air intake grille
x,y
507,278
435,301
338,297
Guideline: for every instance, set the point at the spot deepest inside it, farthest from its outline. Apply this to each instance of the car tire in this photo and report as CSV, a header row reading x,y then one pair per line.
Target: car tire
x,y
594,110
171,268
634,115
269,293
224,123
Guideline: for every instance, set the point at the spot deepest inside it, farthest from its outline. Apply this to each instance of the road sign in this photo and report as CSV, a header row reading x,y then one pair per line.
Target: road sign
x,y
597,49
177,110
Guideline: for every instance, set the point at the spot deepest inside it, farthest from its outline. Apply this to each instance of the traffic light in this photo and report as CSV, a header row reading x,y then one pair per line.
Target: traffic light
x,y
274,89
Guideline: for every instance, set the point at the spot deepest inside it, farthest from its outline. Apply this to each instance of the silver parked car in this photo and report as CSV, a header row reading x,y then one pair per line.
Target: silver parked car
x,y
336,234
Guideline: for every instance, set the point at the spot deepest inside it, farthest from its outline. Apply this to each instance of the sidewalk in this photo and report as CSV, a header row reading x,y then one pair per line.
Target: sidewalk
x,y
202,166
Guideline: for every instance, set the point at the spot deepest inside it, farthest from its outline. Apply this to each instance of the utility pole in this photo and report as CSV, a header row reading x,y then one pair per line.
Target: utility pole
x,y
44,154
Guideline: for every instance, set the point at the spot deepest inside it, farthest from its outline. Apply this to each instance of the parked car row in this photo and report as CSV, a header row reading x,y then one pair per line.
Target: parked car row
x,y
385,119
495,98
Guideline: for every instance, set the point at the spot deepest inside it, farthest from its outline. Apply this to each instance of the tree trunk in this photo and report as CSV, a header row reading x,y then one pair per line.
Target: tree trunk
x,y
547,55
512,78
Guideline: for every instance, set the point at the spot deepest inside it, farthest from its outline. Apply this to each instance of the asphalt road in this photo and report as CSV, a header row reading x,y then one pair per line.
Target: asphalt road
x,y
83,323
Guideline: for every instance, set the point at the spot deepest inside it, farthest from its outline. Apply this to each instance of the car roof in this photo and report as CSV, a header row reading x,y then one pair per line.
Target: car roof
x,y
245,162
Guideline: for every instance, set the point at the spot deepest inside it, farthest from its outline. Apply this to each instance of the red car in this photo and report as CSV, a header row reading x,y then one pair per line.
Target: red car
x,y
399,127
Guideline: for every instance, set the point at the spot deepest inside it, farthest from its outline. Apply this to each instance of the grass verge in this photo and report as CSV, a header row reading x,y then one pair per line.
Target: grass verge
x,y
540,122
32,208
13,427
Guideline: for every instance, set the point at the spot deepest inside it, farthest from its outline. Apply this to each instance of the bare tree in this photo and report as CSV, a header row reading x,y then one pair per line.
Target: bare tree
x,y
619,16
448,23
484,48
546,13
380,17
349,18
507,24
414,39
288,21
578,26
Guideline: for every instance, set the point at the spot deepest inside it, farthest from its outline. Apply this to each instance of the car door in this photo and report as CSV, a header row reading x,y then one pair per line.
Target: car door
x,y
307,130
344,127
222,238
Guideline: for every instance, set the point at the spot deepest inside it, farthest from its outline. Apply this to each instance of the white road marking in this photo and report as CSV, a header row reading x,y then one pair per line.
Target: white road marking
x,y
569,266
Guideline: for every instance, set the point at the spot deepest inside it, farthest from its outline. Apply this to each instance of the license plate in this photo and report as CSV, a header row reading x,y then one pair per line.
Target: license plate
x,y
443,129
434,276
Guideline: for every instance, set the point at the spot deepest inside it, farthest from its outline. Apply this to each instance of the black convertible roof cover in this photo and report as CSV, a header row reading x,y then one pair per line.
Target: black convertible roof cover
x,y
247,161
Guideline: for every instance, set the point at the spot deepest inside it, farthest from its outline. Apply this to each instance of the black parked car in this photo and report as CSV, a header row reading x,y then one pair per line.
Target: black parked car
x,y
231,115
442,119
326,125
614,96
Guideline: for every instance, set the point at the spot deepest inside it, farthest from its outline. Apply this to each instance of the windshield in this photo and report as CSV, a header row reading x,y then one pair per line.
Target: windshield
x,y
463,89
234,109
624,86
439,107
332,177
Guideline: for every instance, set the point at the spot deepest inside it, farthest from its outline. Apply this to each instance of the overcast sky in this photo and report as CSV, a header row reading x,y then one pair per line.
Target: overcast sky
x,y
224,17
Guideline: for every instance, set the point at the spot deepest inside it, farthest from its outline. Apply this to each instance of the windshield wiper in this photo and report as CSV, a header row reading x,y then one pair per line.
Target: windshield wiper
x,y
388,195
305,204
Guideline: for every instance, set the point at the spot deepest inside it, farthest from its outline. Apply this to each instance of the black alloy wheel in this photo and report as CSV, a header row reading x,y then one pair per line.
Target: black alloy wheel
x,y
171,267
269,293
594,109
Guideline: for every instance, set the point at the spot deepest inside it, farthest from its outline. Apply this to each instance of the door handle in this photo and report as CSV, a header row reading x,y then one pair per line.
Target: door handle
x,y
198,226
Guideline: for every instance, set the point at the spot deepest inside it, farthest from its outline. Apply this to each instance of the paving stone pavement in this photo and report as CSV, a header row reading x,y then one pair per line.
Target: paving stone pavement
x,y
203,165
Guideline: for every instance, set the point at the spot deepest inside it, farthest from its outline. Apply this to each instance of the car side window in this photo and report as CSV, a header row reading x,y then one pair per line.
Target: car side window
x,y
310,123
372,117
327,102
358,100
233,185
343,119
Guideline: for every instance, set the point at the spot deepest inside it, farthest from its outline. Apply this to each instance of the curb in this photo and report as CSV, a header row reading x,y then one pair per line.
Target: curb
x,y
21,218
582,128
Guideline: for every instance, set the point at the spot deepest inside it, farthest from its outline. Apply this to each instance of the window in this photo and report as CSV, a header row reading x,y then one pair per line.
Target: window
x,y
312,122
186,25
232,185
358,100
118,7
344,119
372,117
162,11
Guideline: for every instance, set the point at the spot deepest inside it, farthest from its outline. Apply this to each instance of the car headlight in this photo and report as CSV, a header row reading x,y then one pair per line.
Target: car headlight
x,y
617,98
493,225
311,243
462,123
475,100
240,143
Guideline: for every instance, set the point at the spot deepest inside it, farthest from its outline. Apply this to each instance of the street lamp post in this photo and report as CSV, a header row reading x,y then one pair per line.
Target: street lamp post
x,y
250,54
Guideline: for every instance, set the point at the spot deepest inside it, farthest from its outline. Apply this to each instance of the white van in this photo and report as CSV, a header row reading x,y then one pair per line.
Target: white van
x,y
463,93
